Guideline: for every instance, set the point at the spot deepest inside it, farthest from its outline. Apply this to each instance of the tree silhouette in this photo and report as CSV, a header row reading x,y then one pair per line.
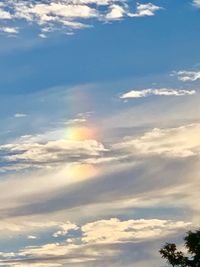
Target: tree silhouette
x,y
177,258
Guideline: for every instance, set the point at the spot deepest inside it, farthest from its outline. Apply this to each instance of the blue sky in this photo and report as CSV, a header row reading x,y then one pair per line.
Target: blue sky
x,y
99,133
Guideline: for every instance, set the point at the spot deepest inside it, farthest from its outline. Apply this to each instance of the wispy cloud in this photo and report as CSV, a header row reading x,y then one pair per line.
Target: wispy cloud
x,y
143,10
157,92
178,142
9,30
25,155
187,76
20,115
53,15
32,237
65,228
196,3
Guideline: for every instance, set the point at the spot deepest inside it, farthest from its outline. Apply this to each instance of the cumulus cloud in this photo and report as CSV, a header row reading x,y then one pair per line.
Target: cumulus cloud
x,y
179,142
157,92
114,230
187,76
53,15
116,12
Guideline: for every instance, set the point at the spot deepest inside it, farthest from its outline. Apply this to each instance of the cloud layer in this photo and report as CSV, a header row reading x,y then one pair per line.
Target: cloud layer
x,y
97,240
180,142
48,155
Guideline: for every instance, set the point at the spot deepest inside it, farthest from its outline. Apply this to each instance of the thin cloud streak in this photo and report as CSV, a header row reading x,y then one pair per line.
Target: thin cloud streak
x,y
156,92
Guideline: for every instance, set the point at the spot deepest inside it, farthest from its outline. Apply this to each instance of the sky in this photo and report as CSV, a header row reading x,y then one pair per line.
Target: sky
x,y
99,132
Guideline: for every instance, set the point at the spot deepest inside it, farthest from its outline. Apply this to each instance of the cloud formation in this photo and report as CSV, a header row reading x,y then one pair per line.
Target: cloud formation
x,y
65,228
180,142
156,92
131,230
187,76
54,15
96,240
50,154
145,10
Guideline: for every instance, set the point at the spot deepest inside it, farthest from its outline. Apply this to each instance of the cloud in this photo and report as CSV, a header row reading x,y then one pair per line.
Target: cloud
x,y
196,3
157,92
178,142
116,12
9,30
53,15
20,115
58,228
75,121
30,154
65,228
150,163
143,10
114,230
76,157
32,237
187,76
4,15
98,241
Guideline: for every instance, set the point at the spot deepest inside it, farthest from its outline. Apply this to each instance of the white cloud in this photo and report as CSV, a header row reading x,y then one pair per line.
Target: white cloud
x,y
116,12
187,76
66,16
157,92
76,157
28,154
144,10
75,121
114,230
95,242
4,15
9,30
196,3
178,142
20,115
32,237
65,228
27,226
